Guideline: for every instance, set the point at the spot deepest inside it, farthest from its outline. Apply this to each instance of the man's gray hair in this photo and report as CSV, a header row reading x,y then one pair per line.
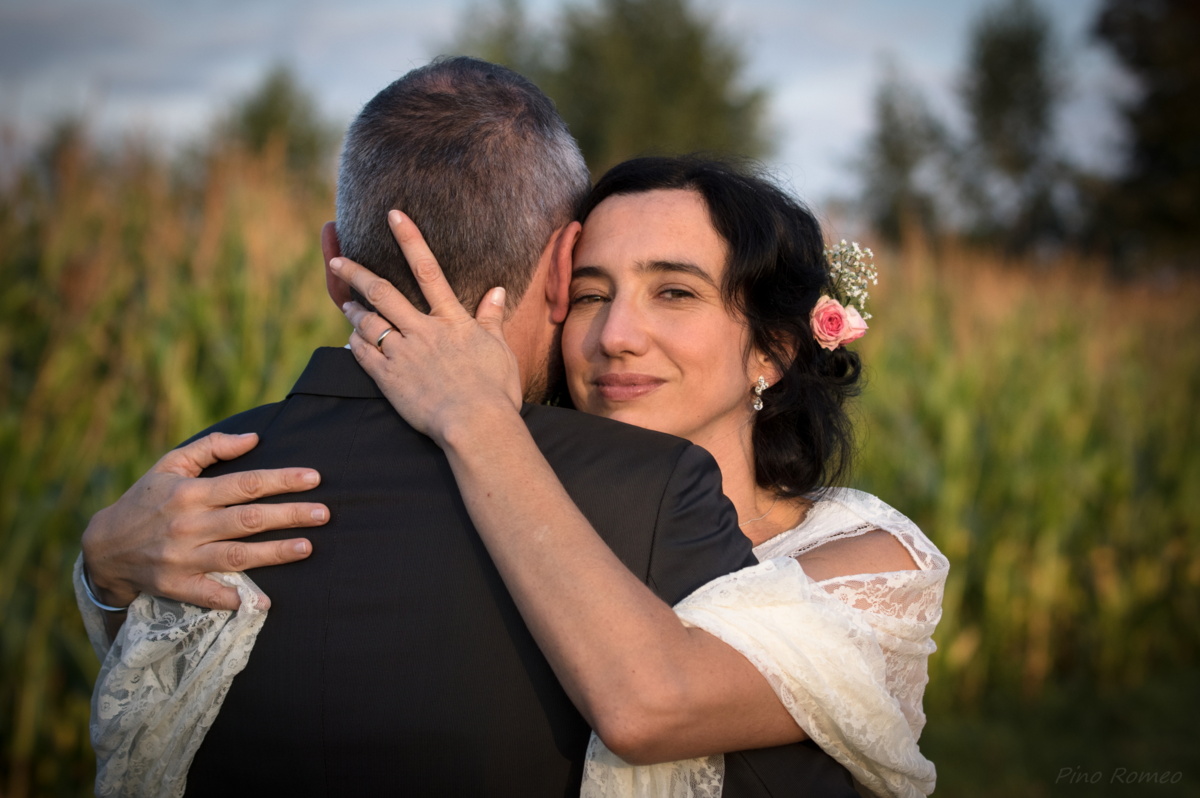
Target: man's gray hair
x,y
478,157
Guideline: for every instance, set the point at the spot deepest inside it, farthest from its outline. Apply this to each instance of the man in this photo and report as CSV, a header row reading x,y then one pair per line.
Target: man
x,y
394,661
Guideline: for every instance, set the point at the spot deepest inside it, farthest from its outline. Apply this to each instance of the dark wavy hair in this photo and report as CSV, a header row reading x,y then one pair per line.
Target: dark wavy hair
x,y
803,438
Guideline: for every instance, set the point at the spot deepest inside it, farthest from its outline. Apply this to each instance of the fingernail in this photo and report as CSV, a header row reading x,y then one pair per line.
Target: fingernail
x,y
336,264
246,434
300,547
498,296
310,478
345,307
395,217
320,514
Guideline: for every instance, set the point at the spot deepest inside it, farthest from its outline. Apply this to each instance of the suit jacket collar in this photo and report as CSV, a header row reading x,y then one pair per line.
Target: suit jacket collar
x,y
333,371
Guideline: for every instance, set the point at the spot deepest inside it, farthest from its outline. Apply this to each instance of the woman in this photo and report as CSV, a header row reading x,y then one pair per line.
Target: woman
x,y
699,307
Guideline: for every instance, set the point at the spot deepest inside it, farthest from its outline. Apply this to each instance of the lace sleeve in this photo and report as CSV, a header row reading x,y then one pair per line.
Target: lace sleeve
x,y
851,678
161,686
902,607
829,665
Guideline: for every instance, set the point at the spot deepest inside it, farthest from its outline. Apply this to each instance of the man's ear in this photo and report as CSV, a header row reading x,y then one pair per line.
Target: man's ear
x,y
558,281
338,290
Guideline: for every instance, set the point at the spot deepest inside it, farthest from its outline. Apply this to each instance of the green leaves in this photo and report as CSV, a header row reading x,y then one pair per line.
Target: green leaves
x,y
140,306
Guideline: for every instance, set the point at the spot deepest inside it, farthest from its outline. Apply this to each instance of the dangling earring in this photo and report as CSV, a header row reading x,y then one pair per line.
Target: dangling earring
x,y
759,387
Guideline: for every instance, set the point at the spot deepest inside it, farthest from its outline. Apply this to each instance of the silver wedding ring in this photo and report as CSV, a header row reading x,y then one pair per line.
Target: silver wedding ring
x,y
382,335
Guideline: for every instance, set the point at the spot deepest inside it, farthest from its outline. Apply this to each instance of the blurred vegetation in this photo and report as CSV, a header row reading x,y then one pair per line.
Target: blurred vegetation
x,y
1074,740
1039,423
142,300
630,77
1043,428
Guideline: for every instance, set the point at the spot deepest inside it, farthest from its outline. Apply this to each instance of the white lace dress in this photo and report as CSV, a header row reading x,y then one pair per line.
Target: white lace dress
x,y
846,656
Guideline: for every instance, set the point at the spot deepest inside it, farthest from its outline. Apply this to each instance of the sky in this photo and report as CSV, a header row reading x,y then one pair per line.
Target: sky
x,y
166,68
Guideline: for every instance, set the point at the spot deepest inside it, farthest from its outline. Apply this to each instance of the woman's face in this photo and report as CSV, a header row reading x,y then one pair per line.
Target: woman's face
x,y
648,340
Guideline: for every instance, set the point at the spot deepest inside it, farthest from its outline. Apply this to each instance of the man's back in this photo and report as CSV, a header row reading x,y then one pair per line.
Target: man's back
x,y
393,659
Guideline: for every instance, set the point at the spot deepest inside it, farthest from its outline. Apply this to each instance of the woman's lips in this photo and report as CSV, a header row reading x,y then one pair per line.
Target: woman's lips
x,y
622,387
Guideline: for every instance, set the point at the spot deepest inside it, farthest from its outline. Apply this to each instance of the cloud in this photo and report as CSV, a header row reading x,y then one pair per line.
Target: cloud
x,y
54,35
173,65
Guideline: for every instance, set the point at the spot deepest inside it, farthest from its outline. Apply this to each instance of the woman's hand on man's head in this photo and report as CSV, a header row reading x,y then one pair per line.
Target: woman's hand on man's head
x,y
438,369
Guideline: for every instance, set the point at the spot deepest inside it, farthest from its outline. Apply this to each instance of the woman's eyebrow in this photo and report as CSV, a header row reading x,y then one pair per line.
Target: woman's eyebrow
x,y
677,266
651,266
587,271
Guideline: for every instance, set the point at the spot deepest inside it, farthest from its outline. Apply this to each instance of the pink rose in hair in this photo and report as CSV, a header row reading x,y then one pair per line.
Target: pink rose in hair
x,y
834,325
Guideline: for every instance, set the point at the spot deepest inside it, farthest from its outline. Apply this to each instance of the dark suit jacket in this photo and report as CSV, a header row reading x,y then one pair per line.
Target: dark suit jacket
x,y
393,661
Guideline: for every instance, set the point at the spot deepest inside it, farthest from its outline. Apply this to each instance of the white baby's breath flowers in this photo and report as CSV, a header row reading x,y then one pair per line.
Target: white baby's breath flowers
x,y
852,270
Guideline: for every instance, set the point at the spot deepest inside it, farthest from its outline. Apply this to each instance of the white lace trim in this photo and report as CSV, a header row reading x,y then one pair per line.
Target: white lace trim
x,y
606,775
161,685
847,656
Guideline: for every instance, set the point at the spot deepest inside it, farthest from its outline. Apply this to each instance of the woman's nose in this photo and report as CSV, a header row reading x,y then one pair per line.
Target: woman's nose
x,y
623,329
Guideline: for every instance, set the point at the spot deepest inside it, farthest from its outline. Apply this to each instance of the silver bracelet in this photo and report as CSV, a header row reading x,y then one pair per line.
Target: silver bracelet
x,y
91,594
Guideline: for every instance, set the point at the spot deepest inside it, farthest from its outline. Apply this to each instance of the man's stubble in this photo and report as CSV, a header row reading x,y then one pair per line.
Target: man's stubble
x,y
547,383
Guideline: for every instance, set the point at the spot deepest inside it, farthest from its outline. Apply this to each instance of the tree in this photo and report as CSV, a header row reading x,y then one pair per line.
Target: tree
x,y
1011,174
1154,204
903,162
1002,181
632,77
279,112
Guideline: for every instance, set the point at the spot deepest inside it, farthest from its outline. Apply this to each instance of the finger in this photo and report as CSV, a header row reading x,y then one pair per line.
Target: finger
x,y
354,313
369,356
371,326
490,313
241,556
246,486
204,592
383,296
192,459
438,293
250,519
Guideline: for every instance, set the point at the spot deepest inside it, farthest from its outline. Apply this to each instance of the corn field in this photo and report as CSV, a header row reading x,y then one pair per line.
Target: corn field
x,y
1037,420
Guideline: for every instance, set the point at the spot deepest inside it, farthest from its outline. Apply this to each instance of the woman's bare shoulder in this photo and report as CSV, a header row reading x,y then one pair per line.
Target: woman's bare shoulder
x,y
872,552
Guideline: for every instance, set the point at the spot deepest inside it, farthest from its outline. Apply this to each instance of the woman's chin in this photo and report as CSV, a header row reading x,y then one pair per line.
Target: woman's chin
x,y
638,412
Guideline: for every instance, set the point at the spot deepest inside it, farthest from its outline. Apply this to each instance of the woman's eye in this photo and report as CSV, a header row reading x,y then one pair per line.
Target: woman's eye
x,y
676,293
587,299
